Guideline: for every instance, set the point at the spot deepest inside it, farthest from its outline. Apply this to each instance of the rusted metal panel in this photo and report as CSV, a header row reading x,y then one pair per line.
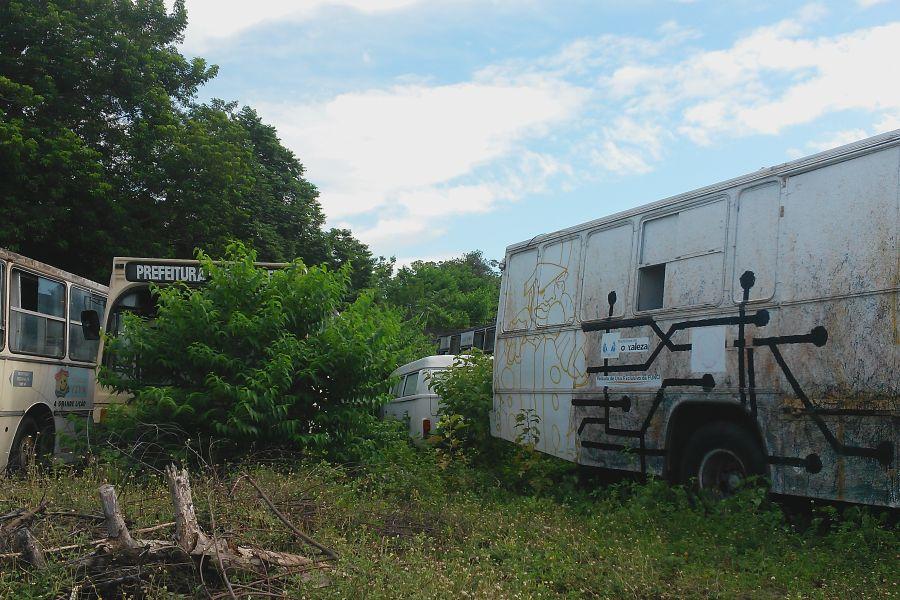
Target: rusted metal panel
x,y
796,269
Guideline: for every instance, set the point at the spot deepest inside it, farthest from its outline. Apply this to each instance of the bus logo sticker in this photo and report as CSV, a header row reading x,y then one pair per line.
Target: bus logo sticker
x,y
22,378
62,383
611,345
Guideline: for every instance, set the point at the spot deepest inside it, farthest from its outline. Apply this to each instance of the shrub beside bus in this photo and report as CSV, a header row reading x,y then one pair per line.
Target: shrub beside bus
x,y
130,292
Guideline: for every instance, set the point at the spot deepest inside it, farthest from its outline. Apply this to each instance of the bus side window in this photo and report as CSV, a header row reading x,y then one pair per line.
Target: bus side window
x,y
80,300
37,315
682,258
607,267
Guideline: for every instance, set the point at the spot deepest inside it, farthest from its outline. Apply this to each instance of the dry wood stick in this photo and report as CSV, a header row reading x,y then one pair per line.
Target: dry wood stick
x,y
212,525
30,548
324,549
90,543
23,519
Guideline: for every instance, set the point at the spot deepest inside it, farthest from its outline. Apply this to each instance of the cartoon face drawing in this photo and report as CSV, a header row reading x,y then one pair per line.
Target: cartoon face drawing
x,y
62,383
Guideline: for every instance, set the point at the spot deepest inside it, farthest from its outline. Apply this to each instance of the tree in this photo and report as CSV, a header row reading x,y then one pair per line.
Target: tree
x,y
253,357
451,294
104,149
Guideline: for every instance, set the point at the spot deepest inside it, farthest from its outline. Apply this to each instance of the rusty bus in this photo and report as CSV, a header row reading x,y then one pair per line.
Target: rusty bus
x,y
47,357
745,328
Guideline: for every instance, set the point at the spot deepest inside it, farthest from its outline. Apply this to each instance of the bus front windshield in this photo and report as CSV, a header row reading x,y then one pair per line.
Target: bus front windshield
x,y
139,301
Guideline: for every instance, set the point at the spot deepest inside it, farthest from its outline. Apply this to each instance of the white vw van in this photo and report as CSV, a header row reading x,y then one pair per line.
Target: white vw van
x,y
413,397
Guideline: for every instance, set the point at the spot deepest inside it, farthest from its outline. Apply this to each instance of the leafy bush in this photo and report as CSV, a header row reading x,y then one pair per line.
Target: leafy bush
x,y
463,433
259,358
466,390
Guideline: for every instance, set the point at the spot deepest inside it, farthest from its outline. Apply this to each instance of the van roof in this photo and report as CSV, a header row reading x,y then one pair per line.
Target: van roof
x,y
438,361
794,167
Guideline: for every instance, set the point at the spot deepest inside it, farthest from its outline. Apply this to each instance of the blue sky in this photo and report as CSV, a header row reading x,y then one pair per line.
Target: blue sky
x,y
434,127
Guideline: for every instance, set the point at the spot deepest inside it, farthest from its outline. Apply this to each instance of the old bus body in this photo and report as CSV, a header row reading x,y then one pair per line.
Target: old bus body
x,y
47,363
748,327
130,291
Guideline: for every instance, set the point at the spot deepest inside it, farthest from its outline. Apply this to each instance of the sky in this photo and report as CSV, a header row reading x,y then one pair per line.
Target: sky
x,y
436,127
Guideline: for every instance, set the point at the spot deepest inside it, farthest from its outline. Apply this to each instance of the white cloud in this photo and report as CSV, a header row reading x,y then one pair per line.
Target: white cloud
x,y
828,141
413,152
211,20
734,91
404,158
869,3
769,80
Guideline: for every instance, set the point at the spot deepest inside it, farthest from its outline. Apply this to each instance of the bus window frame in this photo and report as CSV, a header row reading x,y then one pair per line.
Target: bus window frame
x,y
64,319
3,303
71,321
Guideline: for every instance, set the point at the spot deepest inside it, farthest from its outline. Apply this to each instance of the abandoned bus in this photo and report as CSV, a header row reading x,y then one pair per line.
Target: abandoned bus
x,y
130,291
48,358
746,328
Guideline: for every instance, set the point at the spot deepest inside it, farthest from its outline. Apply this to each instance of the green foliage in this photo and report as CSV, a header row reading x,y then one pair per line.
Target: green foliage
x,y
463,435
446,295
466,391
257,357
104,150
405,528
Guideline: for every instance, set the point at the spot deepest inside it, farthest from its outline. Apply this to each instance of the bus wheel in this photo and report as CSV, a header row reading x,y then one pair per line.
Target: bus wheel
x,y
719,457
33,444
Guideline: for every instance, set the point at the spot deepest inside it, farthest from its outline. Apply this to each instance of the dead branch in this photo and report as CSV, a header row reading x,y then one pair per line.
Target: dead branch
x,y
324,549
190,541
24,519
212,526
91,543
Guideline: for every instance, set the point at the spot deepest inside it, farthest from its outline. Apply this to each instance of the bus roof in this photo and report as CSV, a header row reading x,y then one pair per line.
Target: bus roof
x,y
41,267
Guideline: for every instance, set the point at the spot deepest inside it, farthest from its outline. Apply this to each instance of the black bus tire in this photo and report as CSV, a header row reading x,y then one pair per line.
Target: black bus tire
x,y
719,457
34,441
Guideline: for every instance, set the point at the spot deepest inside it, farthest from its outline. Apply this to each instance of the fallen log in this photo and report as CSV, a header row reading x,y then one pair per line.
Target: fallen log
x,y
189,540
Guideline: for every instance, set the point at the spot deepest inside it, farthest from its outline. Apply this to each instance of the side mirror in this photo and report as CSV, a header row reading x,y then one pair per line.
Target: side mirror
x,y
90,325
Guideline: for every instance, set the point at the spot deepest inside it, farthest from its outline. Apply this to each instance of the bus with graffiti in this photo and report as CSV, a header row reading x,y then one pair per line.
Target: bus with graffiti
x,y
746,328
48,357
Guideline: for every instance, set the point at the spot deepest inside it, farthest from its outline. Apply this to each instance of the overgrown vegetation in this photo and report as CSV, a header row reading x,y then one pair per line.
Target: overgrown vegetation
x,y
256,359
406,528
446,295
463,432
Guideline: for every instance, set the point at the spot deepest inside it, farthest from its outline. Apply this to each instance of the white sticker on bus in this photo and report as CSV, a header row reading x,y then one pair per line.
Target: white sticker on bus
x,y
630,380
611,345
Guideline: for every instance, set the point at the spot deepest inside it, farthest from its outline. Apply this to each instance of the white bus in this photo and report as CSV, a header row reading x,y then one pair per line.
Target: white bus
x,y
745,328
48,353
